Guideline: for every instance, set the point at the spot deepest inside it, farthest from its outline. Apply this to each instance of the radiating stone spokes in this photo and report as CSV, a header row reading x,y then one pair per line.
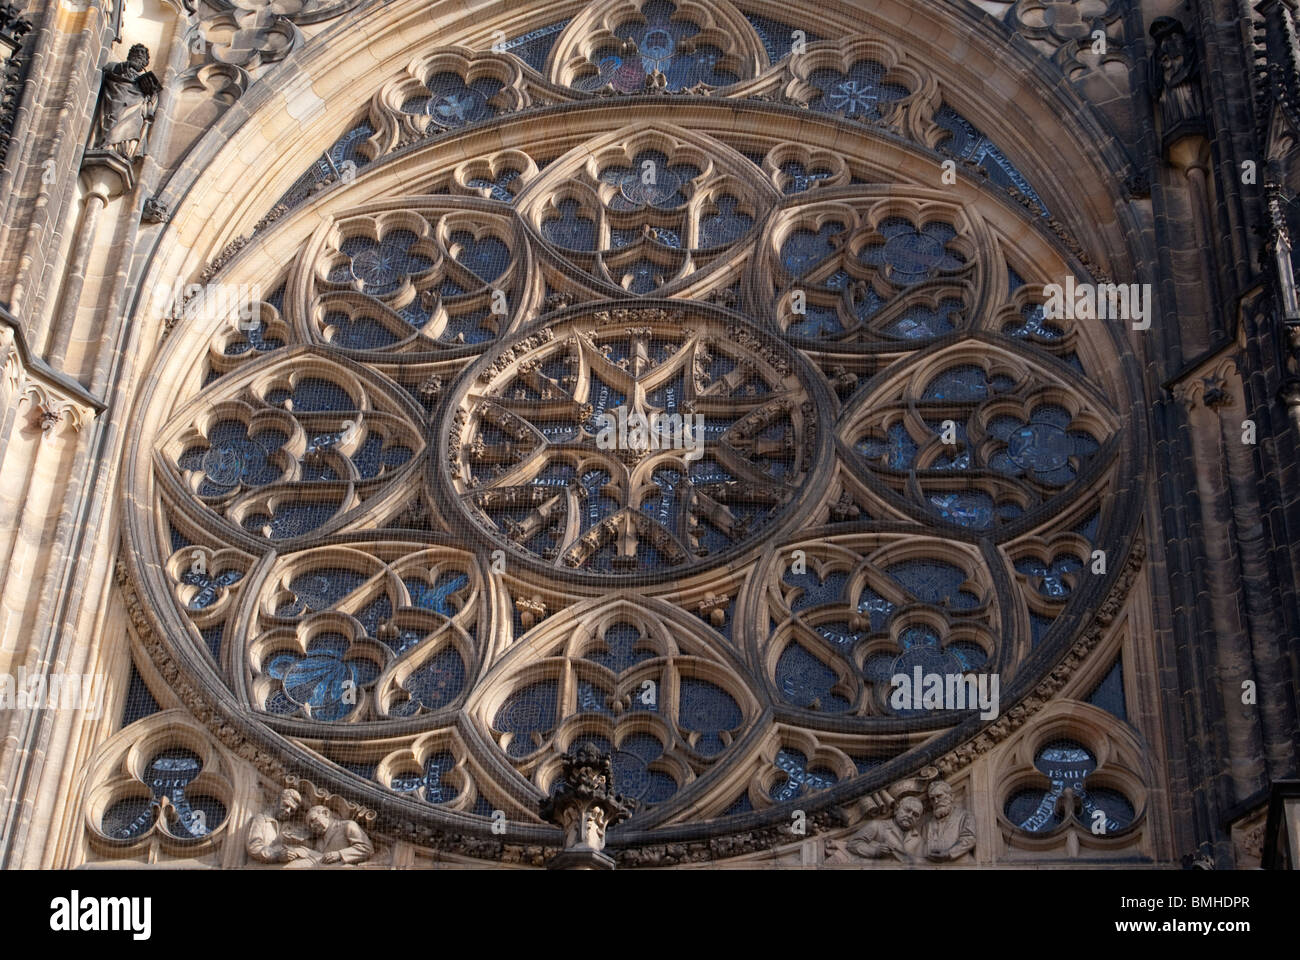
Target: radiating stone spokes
x,y
632,439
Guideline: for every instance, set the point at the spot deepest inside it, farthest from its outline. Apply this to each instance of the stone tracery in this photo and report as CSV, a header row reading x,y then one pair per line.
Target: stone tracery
x,y
435,360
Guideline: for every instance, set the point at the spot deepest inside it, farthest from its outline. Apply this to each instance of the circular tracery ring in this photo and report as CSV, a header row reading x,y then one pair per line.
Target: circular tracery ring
x,y
633,440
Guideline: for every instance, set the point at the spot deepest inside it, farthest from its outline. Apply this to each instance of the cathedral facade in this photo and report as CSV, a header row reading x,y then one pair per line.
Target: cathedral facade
x,y
649,433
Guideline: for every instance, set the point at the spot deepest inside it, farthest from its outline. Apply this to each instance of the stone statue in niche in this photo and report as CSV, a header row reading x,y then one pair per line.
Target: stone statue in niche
x,y
127,100
944,833
280,836
1176,80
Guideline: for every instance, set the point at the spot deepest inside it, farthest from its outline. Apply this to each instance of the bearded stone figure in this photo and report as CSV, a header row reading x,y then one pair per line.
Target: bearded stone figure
x,y
1176,80
127,100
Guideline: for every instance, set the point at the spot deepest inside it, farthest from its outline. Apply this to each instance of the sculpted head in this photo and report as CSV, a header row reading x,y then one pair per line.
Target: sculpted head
x,y
908,812
138,56
319,819
290,803
940,794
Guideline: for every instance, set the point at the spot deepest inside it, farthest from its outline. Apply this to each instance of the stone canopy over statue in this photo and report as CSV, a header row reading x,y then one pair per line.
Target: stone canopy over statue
x,y
127,100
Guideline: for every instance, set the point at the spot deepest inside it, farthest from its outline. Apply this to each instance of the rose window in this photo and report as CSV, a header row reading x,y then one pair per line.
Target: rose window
x,y
573,420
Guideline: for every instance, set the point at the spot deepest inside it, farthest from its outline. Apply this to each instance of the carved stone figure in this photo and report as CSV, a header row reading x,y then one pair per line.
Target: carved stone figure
x,y
584,806
944,833
897,837
279,836
338,840
1176,80
127,100
949,831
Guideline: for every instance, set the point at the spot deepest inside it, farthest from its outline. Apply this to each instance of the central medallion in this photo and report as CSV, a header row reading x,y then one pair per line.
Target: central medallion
x,y
633,440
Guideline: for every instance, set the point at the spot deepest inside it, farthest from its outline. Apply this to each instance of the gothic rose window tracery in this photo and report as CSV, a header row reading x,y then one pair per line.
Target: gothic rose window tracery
x,y
661,439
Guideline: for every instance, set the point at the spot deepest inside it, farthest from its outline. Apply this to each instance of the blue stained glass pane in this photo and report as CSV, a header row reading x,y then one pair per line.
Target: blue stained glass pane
x,y
709,710
290,520
1109,693
358,333
727,226
968,143
879,609
1050,579
936,582
570,229
527,711
857,93
313,394
796,179
632,774
807,682
1038,627
1034,810
1088,529
210,586
383,267
920,322
498,189
913,255
486,258
815,589
139,702
965,384
897,449
319,590
234,458
622,650
323,680
436,597
967,508
660,39
778,38
804,248
970,655
533,47
436,790
1035,324
438,682
1114,807
798,778
592,699
372,459
452,102
129,818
